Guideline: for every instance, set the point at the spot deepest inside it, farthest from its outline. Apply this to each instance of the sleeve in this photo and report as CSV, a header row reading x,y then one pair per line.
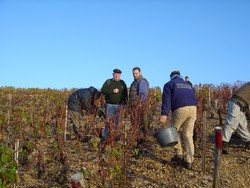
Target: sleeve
x,y
106,90
166,100
125,92
143,90
100,113
86,101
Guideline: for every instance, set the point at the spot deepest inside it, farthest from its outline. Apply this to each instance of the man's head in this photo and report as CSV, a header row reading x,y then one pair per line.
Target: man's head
x,y
175,73
117,74
96,99
186,78
95,93
136,72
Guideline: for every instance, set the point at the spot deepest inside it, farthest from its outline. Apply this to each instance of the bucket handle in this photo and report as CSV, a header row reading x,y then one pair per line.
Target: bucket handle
x,y
165,125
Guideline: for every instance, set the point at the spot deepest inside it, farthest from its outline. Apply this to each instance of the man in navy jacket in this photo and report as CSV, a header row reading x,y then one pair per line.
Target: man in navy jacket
x,y
179,97
81,103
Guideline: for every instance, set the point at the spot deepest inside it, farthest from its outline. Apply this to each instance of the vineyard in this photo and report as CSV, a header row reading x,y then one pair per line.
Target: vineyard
x,y
39,148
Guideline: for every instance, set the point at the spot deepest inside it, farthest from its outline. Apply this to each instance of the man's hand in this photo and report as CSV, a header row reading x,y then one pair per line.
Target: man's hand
x,y
101,114
163,119
116,90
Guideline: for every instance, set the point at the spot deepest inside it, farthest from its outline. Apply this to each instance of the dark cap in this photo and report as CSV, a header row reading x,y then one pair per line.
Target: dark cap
x,y
117,71
174,72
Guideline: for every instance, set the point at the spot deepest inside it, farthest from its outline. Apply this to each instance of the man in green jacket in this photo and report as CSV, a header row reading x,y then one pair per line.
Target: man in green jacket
x,y
116,95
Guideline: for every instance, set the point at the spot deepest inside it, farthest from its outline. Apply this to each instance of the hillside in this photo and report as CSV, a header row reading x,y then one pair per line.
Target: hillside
x,y
152,169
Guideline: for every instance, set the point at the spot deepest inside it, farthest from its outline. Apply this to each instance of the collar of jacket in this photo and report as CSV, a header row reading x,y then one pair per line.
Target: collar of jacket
x,y
176,76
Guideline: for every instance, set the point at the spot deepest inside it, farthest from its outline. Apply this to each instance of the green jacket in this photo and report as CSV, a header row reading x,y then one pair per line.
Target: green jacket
x,y
115,98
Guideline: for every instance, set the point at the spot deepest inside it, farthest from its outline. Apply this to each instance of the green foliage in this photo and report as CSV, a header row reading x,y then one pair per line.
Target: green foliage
x,y
158,93
7,166
137,151
85,172
93,143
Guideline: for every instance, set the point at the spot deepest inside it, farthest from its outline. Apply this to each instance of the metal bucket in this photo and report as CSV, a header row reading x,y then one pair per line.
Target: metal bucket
x,y
166,137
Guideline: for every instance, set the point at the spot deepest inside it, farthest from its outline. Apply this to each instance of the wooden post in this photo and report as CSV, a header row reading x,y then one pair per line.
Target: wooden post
x,y
66,122
16,159
125,154
8,115
218,149
204,143
216,105
209,96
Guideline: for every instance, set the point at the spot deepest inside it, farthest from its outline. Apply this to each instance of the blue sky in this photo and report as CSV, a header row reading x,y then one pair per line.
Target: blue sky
x,y
77,43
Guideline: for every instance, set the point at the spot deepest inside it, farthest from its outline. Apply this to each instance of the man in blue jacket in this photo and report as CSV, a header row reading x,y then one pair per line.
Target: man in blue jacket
x,y
139,88
138,93
179,97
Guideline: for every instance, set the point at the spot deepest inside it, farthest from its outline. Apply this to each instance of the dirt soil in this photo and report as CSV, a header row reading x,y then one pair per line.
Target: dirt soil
x,y
153,169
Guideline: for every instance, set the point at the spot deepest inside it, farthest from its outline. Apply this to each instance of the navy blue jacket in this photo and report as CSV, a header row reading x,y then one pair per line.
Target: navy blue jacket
x,y
176,94
82,99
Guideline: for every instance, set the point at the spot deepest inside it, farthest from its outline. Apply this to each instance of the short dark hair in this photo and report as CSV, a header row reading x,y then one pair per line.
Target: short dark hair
x,y
137,68
186,77
97,94
175,72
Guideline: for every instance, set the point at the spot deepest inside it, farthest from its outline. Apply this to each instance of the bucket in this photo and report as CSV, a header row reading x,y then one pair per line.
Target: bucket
x,y
166,137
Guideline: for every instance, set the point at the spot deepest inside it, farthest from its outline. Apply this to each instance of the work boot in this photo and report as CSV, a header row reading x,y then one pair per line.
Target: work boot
x,y
187,165
177,158
247,145
224,147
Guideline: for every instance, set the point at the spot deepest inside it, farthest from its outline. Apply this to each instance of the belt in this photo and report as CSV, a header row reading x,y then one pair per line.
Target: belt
x,y
114,103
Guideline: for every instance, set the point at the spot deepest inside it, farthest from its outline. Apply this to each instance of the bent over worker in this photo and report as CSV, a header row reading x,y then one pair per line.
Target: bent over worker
x,y
80,104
